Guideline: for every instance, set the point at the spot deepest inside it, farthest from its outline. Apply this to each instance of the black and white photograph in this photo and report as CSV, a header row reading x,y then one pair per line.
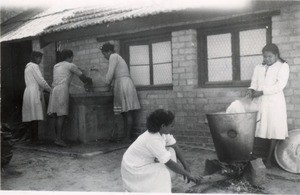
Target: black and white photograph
x,y
150,97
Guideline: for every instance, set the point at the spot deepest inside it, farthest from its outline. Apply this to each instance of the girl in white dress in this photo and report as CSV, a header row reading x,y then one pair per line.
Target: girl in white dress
x,y
33,109
59,98
125,95
147,164
268,82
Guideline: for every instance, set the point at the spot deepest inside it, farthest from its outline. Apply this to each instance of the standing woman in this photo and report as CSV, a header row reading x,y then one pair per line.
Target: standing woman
x,y
125,95
33,109
268,82
59,98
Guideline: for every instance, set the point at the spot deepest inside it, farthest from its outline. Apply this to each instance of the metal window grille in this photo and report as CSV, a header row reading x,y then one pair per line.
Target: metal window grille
x,y
251,44
219,57
151,64
162,63
140,64
221,53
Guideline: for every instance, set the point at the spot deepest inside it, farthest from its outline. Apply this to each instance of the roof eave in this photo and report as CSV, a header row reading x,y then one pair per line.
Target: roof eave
x,y
163,22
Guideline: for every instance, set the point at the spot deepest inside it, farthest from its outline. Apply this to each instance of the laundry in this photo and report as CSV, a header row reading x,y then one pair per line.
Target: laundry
x,y
242,105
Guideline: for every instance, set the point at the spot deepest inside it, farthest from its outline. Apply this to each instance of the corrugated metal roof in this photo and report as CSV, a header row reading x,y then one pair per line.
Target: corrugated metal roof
x,y
18,20
101,15
51,21
119,11
35,25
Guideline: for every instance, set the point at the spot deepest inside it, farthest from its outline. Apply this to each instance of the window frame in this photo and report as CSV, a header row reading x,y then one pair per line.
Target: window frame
x,y
234,29
125,44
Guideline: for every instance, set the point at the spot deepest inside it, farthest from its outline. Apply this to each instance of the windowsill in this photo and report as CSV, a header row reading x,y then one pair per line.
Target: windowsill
x,y
154,87
225,84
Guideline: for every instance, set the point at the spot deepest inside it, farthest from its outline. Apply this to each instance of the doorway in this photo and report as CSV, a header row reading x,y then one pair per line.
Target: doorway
x,y
14,57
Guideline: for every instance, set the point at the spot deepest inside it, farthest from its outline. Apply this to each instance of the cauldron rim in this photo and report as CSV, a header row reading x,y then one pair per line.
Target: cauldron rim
x,y
224,113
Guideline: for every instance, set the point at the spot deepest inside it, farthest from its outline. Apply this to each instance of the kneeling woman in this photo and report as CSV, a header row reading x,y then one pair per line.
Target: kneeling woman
x,y
147,164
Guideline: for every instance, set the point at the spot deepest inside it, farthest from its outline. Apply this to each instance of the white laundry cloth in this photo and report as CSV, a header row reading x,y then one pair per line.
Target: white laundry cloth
x,y
236,107
242,105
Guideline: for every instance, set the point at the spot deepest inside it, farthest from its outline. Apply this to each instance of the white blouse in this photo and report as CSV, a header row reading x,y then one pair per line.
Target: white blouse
x,y
147,147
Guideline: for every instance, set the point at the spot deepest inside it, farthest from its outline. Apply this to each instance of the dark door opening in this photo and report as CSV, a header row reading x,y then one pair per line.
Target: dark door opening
x,y
14,57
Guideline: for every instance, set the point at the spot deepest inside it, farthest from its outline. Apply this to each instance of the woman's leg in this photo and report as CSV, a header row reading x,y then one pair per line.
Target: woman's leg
x,y
34,135
271,150
128,124
59,123
27,134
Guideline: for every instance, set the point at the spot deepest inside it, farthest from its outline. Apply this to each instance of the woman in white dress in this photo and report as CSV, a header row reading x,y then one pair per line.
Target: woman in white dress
x,y
268,81
33,109
59,98
147,164
125,95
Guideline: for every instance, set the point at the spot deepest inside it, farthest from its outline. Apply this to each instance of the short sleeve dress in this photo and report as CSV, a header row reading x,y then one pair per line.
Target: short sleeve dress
x,y
33,100
125,95
59,98
272,106
140,172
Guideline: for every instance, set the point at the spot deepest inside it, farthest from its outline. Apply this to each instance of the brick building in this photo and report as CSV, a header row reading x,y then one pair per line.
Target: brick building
x,y
187,60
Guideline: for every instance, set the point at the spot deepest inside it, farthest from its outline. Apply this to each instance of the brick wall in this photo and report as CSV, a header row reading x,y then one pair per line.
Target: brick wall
x,y
48,61
286,34
189,102
88,57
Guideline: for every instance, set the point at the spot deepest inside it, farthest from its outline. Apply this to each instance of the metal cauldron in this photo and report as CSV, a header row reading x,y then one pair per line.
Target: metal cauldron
x,y
233,135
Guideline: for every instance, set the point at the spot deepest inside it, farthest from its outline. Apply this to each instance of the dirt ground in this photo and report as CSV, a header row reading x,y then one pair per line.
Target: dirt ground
x,y
40,171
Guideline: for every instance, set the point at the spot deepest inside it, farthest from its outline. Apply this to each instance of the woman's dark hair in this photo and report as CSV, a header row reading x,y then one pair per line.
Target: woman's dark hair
x,y
271,47
106,47
34,55
158,118
65,54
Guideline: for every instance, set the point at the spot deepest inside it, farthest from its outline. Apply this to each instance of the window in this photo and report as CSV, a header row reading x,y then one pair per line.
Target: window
x,y
228,55
150,61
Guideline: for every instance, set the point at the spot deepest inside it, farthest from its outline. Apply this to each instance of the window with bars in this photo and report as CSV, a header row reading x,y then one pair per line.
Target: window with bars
x,y
228,55
150,61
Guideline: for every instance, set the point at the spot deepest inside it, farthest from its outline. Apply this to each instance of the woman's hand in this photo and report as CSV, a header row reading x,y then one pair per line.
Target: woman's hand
x,y
257,94
88,84
254,94
178,169
187,168
249,93
193,179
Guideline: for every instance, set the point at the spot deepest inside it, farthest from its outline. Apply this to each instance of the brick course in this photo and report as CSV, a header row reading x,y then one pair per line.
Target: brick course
x,y
286,34
187,100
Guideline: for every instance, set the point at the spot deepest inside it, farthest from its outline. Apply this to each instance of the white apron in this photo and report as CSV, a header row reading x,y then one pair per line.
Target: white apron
x,y
33,100
272,106
59,98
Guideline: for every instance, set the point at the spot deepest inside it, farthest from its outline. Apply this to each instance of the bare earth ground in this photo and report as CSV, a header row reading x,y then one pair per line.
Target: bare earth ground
x,y
42,171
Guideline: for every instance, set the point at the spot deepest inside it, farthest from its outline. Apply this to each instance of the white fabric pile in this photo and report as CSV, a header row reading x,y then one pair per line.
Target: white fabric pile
x,y
241,106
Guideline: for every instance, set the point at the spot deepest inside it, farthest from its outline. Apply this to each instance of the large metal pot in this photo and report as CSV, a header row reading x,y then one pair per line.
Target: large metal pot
x,y
233,135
